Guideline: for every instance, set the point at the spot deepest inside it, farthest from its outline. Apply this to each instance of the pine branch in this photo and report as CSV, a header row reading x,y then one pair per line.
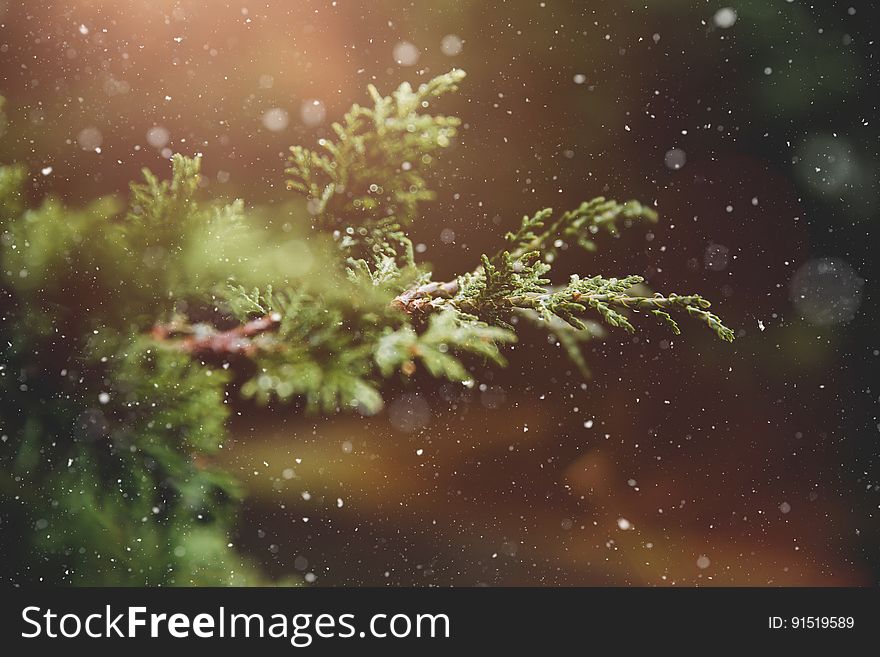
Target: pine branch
x,y
507,283
607,297
578,226
132,415
366,186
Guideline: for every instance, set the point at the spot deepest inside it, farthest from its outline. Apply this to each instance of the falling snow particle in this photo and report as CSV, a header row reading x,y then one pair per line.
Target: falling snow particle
x,y
675,158
580,78
624,524
716,257
827,291
725,17
46,171
406,54
785,507
158,137
703,562
409,413
89,139
275,119
451,45
104,397
312,112
829,164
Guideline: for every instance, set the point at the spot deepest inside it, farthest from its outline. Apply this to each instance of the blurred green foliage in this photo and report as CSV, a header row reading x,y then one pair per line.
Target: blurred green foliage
x,y
104,430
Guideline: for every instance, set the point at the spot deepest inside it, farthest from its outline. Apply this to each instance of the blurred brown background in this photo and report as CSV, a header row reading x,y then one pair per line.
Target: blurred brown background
x,y
681,461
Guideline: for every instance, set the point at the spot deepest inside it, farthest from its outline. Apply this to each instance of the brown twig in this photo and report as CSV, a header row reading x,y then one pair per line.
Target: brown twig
x,y
205,340
417,300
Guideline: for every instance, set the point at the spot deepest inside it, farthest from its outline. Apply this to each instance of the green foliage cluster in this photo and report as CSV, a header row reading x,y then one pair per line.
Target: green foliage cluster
x,y
108,427
368,182
515,280
104,431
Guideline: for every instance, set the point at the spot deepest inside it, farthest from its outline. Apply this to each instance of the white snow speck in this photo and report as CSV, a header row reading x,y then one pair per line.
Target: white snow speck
x,y
451,45
90,139
275,119
675,158
725,17
406,53
312,112
158,137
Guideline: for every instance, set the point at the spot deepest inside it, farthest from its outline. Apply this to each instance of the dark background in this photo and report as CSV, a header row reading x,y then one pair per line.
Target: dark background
x,y
681,461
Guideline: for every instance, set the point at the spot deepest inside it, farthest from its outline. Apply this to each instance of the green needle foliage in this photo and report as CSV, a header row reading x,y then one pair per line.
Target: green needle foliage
x,y
368,182
579,226
105,431
121,324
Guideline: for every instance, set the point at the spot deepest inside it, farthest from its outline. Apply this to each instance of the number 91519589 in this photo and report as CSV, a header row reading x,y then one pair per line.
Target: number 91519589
x,y
811,622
